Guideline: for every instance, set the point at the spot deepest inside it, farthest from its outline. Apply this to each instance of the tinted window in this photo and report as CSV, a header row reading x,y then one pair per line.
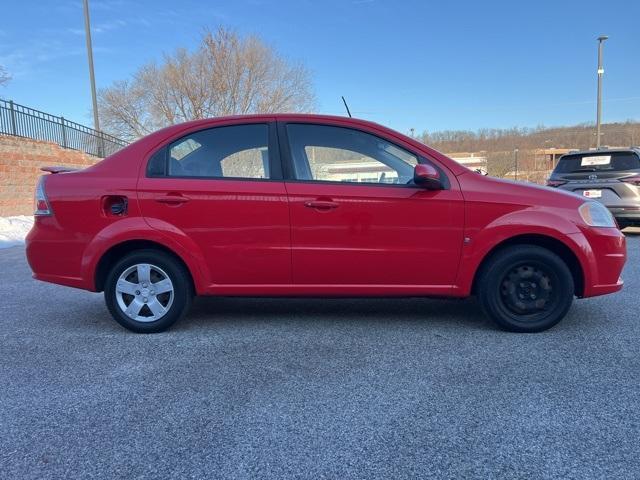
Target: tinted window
x,y
598,161
339,154
157,164
239,151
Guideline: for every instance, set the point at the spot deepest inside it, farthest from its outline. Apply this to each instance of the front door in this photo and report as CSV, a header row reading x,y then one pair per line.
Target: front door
x,y
357,219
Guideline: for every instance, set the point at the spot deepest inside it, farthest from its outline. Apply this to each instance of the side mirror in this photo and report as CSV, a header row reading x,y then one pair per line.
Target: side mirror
x,y
427,176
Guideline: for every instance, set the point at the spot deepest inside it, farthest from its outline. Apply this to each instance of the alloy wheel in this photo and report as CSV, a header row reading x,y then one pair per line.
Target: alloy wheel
x,y
144,292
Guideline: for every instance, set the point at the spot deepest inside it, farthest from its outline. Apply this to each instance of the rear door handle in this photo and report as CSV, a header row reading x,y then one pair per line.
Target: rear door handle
x,y
171,199
321,204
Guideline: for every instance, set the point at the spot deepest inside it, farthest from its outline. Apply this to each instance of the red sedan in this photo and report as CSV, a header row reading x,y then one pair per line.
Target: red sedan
x,y
305,205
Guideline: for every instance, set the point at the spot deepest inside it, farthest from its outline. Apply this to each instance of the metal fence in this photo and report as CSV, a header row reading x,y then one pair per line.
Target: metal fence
x,y
22,121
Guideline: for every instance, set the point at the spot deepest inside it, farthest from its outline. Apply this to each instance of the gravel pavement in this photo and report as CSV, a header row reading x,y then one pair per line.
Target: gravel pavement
x,y
284,388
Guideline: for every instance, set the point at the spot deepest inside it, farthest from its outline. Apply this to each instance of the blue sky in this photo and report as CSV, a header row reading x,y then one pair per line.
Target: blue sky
x,y
407,64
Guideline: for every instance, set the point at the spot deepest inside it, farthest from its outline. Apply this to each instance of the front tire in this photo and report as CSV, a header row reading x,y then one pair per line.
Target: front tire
x,y
525,288
147,291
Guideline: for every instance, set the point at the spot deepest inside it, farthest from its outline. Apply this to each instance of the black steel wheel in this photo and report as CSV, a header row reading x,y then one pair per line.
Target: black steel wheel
x,y
526,288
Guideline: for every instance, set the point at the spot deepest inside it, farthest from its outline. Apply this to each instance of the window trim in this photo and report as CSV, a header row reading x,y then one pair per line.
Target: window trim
x,y
289,170
275,162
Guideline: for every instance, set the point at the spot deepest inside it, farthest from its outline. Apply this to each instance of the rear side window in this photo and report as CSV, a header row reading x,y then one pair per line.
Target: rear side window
x,y
237,151
598,161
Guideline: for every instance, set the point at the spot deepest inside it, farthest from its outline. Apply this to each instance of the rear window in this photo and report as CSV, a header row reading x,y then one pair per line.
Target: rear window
x,y
598,161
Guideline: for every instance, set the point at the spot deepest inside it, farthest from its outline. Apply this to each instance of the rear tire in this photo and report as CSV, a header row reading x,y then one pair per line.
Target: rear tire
x,y
147,291
525,288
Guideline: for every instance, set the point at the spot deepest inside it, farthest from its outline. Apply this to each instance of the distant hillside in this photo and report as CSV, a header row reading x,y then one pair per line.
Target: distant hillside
x,y
495,140
538,149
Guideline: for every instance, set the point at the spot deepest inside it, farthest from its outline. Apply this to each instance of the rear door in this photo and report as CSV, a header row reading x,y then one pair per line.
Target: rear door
x,y
356,219
599,175
223,188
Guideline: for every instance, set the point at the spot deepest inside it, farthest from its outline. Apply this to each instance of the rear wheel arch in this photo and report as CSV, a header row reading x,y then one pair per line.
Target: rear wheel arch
x,y
115,252
550,243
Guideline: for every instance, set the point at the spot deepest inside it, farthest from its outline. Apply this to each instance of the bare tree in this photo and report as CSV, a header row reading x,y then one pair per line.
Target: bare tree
x,y
4,76
500,164
225,75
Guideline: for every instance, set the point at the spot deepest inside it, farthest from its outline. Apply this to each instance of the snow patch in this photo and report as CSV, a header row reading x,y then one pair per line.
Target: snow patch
x,y
13,230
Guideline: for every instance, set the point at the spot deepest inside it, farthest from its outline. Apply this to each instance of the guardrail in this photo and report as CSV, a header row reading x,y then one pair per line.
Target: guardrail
x,y
22,121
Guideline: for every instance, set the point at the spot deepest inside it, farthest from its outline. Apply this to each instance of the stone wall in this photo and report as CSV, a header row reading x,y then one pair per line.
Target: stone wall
x,y
20,162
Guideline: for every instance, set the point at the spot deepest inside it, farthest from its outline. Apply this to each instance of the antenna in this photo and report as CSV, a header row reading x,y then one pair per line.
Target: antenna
x,y
346,106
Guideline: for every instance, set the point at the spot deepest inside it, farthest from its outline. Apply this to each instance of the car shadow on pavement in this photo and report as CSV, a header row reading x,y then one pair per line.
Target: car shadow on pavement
x,y
331,310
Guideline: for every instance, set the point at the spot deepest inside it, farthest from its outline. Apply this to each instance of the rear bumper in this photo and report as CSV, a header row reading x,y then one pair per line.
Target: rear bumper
x,y
53,255
630,214
621,199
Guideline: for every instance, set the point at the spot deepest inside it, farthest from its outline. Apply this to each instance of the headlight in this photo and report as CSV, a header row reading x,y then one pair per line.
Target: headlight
x,y
595,214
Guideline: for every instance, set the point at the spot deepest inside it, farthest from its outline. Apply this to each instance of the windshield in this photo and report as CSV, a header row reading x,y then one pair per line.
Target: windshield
x,y
597,162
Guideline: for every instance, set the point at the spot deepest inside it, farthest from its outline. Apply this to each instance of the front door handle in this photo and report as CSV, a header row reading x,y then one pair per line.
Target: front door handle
x,y
171,199
321,204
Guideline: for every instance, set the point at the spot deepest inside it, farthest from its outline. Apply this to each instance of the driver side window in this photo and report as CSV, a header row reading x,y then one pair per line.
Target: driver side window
x,y
337,154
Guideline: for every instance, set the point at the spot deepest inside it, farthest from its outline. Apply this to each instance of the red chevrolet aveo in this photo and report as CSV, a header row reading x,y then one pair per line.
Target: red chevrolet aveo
x,y
305,205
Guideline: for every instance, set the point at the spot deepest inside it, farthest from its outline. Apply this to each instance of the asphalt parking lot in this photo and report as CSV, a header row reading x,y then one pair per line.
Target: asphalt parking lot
x,y
255,388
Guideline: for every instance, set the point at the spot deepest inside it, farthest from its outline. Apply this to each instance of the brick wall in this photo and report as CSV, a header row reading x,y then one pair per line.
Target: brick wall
x,y
20,162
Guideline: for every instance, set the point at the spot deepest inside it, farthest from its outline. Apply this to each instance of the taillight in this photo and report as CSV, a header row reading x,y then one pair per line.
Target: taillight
x,y
633,180
42,204
555,183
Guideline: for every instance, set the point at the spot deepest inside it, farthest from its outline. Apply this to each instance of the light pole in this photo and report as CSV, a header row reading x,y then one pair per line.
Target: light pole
x,y
601,40
92,78
515,155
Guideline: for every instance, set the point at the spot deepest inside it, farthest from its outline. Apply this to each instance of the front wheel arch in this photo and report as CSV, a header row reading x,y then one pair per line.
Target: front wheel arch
x,y
551,244
114,253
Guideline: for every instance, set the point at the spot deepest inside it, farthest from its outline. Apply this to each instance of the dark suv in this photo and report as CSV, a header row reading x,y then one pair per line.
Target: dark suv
x,y
610,176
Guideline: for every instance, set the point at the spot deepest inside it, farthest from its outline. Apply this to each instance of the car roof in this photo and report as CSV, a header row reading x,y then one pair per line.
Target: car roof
x,y
311,117
337,120
141,147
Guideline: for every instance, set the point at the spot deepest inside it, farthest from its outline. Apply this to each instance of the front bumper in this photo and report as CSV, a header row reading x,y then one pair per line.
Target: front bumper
x,y
604,253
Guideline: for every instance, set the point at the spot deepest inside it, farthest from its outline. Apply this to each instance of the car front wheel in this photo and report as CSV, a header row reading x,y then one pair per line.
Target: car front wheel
x,y
147,291
525,288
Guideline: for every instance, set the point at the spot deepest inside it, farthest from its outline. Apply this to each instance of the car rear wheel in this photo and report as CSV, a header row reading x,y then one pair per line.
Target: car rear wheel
x,y
147,291
526,288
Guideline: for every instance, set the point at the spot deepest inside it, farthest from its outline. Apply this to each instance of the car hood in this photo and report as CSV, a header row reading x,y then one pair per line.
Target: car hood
x,y
477,187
